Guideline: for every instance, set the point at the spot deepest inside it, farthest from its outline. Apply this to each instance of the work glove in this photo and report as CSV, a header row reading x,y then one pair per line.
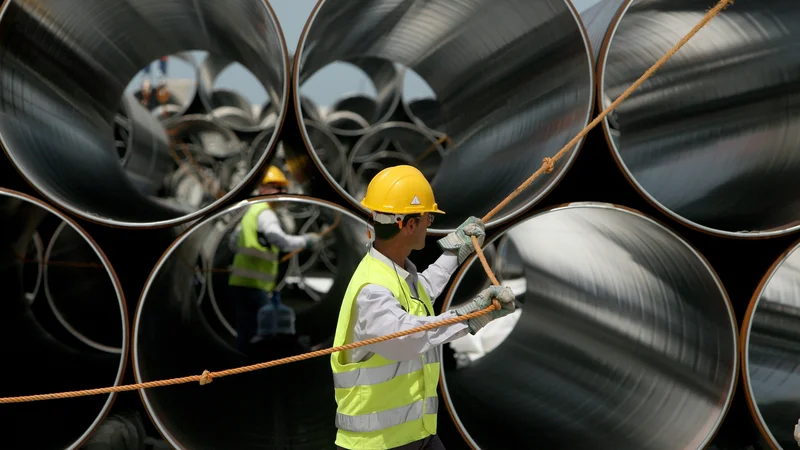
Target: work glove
x,y
313,240
460,241
503,294
797,433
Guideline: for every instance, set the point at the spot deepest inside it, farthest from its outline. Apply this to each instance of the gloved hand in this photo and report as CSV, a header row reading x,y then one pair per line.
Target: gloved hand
x,y
797,432
313,240
503,294
460,242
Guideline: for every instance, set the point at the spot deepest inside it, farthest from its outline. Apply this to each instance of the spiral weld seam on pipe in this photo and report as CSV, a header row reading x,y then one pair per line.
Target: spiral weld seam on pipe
x,y
668,140
175,326
78,417
768,345
66,124
528,119
557,336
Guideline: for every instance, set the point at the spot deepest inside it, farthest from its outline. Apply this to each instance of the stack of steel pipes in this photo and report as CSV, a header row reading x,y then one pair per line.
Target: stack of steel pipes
x,y
656,278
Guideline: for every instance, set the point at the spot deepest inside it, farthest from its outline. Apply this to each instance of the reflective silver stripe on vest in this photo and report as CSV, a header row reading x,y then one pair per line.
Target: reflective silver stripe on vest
x,y
256,253
375,375
253,274
389,418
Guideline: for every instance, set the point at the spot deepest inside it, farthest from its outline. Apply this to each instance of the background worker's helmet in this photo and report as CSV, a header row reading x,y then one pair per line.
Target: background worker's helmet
x,y
400,190
273,175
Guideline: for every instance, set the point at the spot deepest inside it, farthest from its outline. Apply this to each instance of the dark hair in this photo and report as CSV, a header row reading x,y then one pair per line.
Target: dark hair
x,y
384,231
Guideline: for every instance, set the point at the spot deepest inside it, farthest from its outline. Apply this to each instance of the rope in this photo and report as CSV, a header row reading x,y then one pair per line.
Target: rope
x,y
548,165
207,377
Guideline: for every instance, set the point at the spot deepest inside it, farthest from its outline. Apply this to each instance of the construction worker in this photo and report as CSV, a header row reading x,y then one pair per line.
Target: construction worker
x,y
386,392
257,242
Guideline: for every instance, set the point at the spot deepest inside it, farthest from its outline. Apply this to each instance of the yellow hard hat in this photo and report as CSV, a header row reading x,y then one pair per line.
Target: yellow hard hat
x,y
400,190
275,176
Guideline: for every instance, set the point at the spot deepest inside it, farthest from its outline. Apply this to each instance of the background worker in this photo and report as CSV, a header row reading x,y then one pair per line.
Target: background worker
x,y
386,392
257,242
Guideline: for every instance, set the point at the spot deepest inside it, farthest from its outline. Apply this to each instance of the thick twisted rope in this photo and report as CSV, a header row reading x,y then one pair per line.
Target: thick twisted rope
x,y
547,166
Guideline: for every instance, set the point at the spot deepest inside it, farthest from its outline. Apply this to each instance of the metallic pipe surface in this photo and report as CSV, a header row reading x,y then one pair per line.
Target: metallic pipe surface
x,y
597,19
711,138
34,359
769,345
146,161
78,293
514,79
283,407
56,123
426,112
624,338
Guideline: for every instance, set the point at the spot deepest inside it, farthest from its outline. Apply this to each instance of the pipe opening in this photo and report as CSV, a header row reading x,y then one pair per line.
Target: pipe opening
x,y
221,82
625,328
513,80
58,118
38,355
770,340
167,86
711,138
352,114
174,335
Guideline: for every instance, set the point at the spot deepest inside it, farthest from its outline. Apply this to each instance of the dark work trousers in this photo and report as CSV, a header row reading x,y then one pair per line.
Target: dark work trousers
x,y
429,443
248,301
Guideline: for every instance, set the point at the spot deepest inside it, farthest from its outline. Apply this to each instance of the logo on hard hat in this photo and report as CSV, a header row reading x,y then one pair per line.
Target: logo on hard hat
x,y
415,200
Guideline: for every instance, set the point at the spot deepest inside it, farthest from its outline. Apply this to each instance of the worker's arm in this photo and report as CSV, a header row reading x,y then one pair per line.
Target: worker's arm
x,y
233,240
379,313
436,276
270,227
460,240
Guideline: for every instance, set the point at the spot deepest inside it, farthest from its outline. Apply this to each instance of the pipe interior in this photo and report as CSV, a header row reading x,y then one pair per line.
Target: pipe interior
x,y
771,335
284,407
712,137
625,330
513,79
37,357
77,293
57,119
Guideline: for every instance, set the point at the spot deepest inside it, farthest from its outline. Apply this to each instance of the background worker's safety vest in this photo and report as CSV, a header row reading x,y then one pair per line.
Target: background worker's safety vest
x,y
254,265
383,403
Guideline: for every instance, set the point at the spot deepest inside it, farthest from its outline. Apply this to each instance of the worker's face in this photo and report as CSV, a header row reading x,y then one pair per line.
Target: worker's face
x,y
269,189
417,229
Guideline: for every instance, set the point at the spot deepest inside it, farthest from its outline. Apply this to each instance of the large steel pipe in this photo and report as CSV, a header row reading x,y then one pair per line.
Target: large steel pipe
x,y
597,18
711,138
37,359
624,338
513,79
263,409
58,117
770,349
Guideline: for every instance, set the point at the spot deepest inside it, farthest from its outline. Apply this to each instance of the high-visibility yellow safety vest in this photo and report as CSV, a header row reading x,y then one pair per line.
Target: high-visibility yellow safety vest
x,y
383,403
254,265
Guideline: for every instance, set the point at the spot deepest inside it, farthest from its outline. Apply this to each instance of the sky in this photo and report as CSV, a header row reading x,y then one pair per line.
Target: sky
x,y
326,86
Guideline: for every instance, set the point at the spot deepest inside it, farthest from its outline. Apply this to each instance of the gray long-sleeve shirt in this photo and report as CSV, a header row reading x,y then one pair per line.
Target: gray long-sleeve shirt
x,y
270,227
379,313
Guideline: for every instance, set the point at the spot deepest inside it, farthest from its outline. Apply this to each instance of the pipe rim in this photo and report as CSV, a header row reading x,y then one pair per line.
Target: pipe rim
x,y
162,430
104,411
61,320
501,219
459,275
744,347
38,244
602,63
211,207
